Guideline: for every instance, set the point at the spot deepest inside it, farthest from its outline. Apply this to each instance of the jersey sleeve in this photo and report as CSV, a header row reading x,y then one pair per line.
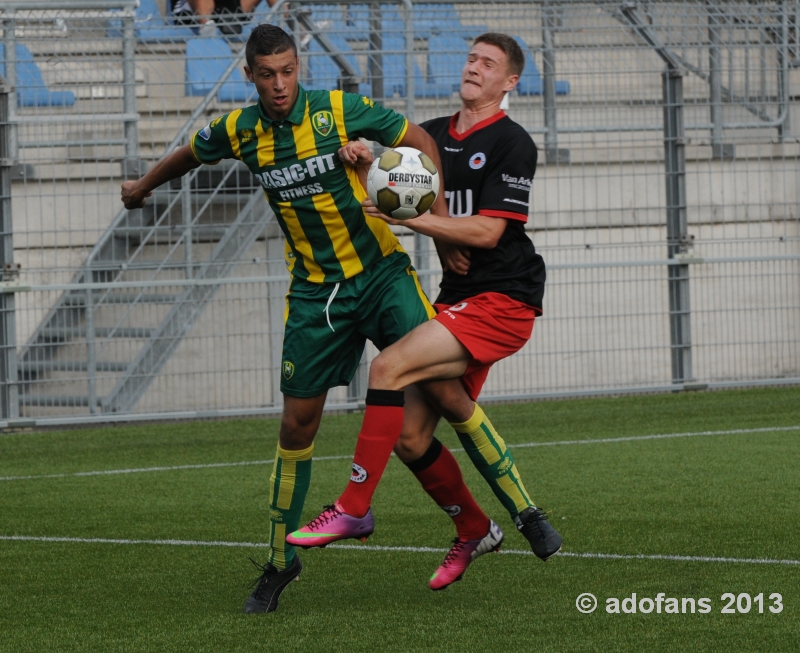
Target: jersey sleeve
x,y
507,184
211,143
364,118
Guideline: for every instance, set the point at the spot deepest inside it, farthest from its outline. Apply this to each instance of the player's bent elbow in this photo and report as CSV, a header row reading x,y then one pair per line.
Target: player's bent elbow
x,y
492,242
487,240
491,233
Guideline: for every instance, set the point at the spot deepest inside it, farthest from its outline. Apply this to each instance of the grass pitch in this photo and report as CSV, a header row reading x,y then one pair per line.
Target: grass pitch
x,y
712,510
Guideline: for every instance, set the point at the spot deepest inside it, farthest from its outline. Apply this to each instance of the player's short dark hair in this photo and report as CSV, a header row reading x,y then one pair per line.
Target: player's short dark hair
x,y
514,54
266,40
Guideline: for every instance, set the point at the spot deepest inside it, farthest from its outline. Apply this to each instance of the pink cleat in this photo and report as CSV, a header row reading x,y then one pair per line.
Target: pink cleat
x,y
461,554
333,524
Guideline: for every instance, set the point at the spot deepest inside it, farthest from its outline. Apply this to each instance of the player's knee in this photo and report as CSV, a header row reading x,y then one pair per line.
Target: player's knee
x,y
411,446
297,431
381,373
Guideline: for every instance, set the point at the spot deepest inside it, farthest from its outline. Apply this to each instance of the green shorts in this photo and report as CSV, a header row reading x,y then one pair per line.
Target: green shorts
x,y
327,325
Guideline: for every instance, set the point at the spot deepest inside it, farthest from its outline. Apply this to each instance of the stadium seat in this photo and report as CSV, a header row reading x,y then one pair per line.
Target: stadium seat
x,y
206,61
428,18
531,81
259,16
446,56
149,26
440,18
323,73
394,66
356,21
30,86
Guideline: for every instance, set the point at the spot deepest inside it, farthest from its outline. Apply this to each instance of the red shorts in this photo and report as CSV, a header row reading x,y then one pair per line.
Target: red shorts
x,y
491,326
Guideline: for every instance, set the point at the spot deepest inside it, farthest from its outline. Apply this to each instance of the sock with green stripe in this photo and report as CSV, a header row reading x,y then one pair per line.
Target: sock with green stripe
x,y
288,486
494,461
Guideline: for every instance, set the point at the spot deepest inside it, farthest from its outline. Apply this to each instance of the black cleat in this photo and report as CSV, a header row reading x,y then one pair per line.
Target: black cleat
x,y
544,539
270,585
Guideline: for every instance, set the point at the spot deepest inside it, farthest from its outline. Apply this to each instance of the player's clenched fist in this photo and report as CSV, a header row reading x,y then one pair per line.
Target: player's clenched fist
x,y
356,154
133,196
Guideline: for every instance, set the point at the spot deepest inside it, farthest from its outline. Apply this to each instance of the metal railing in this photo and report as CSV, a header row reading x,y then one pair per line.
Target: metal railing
x,y
669,170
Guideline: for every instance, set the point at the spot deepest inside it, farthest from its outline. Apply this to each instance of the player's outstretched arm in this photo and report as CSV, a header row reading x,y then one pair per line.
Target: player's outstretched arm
x,y
480,231
176,164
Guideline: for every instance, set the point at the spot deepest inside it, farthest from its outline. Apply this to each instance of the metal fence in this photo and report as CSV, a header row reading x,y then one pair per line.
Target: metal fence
x,y
666,201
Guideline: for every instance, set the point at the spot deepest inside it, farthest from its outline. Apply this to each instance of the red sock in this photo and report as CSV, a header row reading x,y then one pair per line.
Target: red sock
x,y
440,476
380,430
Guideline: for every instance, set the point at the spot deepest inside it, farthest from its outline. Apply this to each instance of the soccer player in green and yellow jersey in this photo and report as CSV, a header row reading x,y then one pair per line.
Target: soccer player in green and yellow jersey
x,y
351,279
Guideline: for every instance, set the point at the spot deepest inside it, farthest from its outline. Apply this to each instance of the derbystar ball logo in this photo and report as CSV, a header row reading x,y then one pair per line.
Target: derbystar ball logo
x,y
477,161
413,179
359,474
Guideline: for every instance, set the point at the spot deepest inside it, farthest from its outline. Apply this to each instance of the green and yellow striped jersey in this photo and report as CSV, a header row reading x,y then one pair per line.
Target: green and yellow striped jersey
x,y
316,198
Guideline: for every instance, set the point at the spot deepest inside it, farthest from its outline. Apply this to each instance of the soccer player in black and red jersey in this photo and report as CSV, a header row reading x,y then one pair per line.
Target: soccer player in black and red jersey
x,y
491,293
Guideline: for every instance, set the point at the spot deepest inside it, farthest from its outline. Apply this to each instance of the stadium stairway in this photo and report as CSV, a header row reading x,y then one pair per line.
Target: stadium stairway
x,y
119,338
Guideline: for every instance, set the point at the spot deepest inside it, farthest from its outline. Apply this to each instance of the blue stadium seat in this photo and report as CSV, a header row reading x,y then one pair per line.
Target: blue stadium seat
x,y
428,18
531,81
330,16
323,73
440,18
446,56
394,66
31,89
259,16
356,21
149,26
206,61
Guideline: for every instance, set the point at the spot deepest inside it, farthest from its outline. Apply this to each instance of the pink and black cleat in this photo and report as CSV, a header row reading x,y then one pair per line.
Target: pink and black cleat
x,y
333,524
461,554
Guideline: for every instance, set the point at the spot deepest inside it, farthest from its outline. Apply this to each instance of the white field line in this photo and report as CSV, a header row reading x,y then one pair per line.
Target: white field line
x,y
394,549
140,470
523,445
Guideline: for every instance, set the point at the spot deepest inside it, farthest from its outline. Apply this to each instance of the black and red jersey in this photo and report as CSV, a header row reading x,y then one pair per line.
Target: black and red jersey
x,y
488,170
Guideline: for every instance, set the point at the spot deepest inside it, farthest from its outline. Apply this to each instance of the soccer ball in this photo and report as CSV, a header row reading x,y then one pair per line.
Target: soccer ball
x,y
403,183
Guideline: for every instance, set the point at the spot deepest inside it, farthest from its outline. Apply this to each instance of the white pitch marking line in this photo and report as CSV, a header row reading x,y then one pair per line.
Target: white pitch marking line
x,y
524,445
632,438
139,470
395,549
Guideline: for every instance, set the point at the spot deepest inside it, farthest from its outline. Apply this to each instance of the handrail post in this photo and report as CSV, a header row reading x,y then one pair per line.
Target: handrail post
x,y
719,150
10,42
552,153
9,390
678,239
784,129
91,351
131,165
376,74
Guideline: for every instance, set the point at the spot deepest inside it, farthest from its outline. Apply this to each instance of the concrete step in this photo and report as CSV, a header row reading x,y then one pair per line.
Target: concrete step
x,y
60,334
54,400
122,298
69,366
